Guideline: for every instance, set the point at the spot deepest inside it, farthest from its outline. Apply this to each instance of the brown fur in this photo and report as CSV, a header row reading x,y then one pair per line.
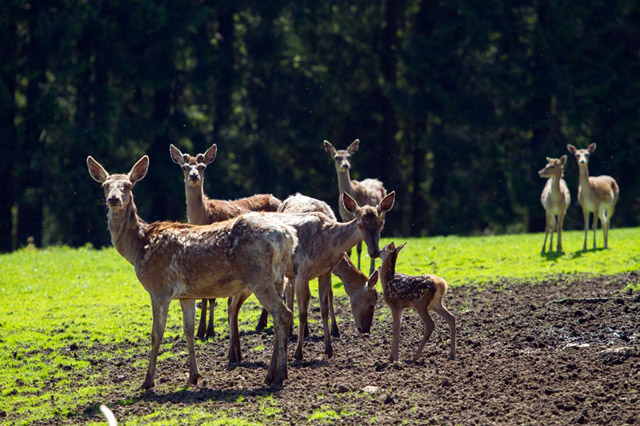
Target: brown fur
x,y
185,262
597,195
555,199
368,192
322,242
422,293
202,211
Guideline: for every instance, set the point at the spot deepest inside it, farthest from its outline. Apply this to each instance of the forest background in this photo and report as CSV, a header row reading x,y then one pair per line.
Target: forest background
x,y
456,105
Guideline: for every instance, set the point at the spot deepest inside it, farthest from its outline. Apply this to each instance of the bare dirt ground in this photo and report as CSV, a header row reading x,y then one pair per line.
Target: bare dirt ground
x,y
561,351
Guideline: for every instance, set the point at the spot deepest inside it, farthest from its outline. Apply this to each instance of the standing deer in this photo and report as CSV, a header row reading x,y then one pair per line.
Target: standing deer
x,y
369,192
202,211
597,195
555,199
188,262
422,293
322,242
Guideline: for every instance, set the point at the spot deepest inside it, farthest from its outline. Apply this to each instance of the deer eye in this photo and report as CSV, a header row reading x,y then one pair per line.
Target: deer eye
x,y
201,167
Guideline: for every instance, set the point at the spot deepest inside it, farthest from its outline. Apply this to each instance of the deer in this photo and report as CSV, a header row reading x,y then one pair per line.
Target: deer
x,y
555,199
369,192
202,211
322,242
422,293
597,195
188,262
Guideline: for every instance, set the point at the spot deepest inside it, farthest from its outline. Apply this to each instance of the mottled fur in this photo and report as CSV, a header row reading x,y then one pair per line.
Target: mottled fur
x,y
555,199
202,211
368,192
185,262
597,195
422,293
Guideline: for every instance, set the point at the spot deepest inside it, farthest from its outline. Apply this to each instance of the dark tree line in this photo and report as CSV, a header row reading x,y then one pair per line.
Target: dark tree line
x,y
456,105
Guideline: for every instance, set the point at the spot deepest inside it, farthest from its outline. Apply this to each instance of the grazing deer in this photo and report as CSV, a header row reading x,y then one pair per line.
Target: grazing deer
x,y
187,262
369,192
597,195
202,211
422,293
322,242
555,199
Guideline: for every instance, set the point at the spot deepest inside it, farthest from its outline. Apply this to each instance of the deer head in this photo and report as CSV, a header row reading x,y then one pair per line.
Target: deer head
x,y
554,167
193,167
370,219
390,251
582,155
117,187
342,158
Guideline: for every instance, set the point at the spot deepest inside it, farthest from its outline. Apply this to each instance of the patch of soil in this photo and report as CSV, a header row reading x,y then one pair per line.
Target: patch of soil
x,y
562,351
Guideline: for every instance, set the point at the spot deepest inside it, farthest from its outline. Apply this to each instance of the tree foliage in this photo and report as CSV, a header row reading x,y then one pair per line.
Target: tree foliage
x,y
456,105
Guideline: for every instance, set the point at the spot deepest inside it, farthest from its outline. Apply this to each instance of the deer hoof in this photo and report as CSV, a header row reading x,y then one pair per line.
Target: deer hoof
x,y
193,379
335,332
298,354
148,384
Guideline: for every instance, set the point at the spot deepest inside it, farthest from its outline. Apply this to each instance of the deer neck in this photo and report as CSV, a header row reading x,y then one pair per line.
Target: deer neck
x,y
584,177
387,272
344,182
343,236
555,184
127,231
352,279
196,201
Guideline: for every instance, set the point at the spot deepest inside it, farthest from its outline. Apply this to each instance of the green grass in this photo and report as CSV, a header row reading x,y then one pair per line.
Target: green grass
x,y
62,308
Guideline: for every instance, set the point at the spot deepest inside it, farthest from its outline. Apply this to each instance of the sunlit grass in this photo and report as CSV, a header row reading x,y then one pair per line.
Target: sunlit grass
x,y
63,308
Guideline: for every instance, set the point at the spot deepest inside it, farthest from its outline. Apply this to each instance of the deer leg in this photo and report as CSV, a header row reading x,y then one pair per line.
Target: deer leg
x,y
560,224
332,314
302,294
605,227
428,329
595,227
160,307
359,251
546,233
273,302
451,321
324,286
262,321
202,327
585,215
188,322
373,266
395,343
289,298
552,226
210,331
233,307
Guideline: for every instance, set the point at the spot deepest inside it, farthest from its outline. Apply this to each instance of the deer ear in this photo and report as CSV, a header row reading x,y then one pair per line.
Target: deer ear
x,y
591,148
210,154
572,149
548,159
97,172
373,279
331,150
563,159
400,247
349,203
139,170
387,202
176,155
353,148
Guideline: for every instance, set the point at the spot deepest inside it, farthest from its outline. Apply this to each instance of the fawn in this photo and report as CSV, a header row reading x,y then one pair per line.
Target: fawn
x,y
422,293
555,199
597,195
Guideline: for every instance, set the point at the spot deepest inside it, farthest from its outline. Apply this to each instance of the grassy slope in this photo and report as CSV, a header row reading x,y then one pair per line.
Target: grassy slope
x,y
58,304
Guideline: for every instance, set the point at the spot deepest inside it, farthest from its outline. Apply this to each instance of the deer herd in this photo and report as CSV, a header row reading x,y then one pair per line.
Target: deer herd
x,y
270,248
